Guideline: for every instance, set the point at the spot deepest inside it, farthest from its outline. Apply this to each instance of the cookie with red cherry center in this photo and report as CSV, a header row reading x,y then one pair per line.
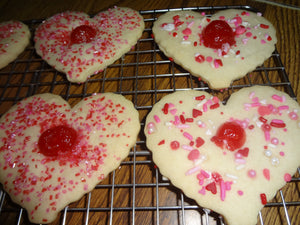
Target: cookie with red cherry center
x,y
52,154
219,49
80,46
14,37
229,158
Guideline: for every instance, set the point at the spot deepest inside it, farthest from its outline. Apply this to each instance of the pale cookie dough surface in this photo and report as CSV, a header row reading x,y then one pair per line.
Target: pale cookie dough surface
x,y
179,130
107,126
14,37
117,31
178,35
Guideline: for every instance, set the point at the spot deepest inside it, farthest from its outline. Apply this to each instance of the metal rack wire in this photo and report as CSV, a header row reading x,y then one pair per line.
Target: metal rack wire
x,y
131,76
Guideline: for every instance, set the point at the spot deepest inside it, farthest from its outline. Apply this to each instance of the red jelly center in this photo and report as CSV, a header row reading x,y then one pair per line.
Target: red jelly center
x,y
217,33
83,34
57,140
230,135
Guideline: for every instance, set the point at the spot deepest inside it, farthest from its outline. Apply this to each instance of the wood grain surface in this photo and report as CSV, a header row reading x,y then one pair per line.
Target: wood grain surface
x,y
136,193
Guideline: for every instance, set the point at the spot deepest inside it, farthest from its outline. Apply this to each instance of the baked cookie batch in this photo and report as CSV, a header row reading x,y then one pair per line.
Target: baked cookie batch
x,y
230,158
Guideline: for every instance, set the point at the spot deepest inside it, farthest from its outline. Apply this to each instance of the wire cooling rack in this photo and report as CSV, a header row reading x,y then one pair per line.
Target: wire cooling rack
x,y
136,193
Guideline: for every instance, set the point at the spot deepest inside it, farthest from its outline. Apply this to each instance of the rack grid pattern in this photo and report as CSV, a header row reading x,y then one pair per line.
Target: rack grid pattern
x,y
143,67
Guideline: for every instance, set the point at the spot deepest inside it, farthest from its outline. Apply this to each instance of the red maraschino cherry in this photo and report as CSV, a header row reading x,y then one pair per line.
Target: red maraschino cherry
x,y
217,33
57,140
83,34
230,135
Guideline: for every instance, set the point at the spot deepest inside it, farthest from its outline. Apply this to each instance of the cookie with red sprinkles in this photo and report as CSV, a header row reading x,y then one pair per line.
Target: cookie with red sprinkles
x,y
52,154
229,158
14,37
219,49
80,46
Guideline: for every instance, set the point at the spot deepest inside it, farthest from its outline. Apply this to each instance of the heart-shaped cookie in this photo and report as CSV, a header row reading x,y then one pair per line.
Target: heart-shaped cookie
x,y
233,158
14,37
80,46
219,49
52,154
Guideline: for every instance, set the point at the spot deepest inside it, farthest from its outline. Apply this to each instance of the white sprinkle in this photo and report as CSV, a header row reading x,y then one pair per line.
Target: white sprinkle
x,y
169,27
208,132
186,42
275,161
268,153
272,145
231,176
239,167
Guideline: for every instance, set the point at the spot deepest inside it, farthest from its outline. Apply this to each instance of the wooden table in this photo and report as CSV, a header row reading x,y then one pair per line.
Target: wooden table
x,y
136,193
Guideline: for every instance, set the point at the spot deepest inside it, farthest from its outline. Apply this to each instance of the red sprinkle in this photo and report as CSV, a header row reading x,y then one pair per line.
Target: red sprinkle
x,y
161,142
199,142
200,98
197,113
174,145
264,26
182,119
263,198
214,106
166,108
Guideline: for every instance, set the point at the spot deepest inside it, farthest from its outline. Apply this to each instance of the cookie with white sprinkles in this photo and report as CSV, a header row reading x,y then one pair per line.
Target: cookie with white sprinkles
x,y
80,46
52,154
219,49
229,158
14,37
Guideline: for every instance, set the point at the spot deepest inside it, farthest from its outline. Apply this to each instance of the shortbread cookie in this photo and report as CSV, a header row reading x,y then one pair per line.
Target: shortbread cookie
x,y
14,37
219,49
233,158
52,154
80,46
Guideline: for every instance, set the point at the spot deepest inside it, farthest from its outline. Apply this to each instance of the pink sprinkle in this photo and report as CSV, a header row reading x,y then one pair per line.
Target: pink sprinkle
x,y
192,170
222,17
283,107
191,24
293,116
267,135
188,136
205,107
252,173
266,173
187,31
173,111
277,98
222,190
177,120
85,187
204,173
240,193
274,141
245,40
228,185
240,30
240,161
157,119
287,177
202,191
281,153
263,41
187,147
209,59
194,154
248,34
203,13
215,99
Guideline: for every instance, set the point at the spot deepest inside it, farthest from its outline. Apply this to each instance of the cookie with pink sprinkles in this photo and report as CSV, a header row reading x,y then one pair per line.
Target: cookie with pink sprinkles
x,y
229,158
80,46
52,154
14,37
218,49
